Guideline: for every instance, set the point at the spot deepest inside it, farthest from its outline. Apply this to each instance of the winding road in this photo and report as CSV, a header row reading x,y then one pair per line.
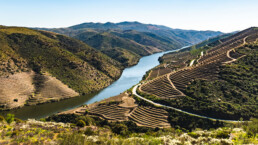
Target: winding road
x,y
179,110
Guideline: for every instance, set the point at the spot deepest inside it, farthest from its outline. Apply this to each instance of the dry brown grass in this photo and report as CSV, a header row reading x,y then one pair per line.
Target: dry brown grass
x,y
52,90
18,89
18,86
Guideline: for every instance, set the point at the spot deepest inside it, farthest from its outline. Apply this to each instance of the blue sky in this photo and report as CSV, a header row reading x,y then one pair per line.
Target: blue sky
x,y
222,15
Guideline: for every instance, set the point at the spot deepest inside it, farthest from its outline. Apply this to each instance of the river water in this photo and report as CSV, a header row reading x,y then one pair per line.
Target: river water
x,y
129,77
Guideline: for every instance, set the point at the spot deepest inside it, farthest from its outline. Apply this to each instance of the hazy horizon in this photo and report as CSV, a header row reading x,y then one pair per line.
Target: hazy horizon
x,y
219,15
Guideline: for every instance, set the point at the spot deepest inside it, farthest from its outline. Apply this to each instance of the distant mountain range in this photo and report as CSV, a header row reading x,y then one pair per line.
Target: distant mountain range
x,y
126,42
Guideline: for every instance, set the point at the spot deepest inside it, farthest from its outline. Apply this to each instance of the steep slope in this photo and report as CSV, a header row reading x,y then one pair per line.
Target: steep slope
x,y
211,42
123,50
148,39
219,83
45,58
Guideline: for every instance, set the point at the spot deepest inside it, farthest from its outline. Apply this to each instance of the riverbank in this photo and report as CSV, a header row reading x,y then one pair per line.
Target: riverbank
x,y
129,77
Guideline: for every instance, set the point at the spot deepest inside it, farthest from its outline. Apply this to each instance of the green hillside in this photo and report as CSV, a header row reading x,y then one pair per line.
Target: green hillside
x,y
148,39
76,64
211,42
221,83
123,50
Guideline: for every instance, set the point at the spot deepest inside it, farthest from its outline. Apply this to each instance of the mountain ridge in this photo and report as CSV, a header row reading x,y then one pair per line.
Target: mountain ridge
x,y
124,38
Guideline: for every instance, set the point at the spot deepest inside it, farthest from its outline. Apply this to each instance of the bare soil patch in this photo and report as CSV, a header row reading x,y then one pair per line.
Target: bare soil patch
x,y
21,88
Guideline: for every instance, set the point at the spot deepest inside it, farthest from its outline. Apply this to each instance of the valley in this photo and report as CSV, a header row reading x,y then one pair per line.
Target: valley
x,y
208,85
87,63
89,72
170,90
128,78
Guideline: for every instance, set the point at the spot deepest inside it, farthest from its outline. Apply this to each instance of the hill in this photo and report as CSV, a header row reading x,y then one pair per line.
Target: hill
x,y
216,81
183,36
124,51
34,61
210,42
126,42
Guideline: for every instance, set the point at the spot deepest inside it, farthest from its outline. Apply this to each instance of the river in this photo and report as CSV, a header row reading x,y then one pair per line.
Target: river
x,y
130,76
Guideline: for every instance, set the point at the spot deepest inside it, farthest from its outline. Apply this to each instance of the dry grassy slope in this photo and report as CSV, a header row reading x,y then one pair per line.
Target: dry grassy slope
x,y
72,64
18,86
19,89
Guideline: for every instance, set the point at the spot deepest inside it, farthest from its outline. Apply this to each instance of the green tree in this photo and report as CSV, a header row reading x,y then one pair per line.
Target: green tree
x,y
81,123
9,118
120,129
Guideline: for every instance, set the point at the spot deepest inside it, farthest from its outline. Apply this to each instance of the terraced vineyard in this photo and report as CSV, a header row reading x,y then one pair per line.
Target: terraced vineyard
x,y
111,112
177,60
142,116
207,68
161,87
183,77
230,43
160,71
150,117
123,108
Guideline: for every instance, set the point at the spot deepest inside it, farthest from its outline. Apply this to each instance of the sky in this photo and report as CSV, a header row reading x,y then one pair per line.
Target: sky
x,y
218,15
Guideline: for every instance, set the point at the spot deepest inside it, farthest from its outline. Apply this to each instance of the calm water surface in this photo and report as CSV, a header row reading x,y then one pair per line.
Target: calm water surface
x,y
129,77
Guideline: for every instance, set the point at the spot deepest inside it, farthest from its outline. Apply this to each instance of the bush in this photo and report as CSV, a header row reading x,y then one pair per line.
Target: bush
x,y
14,133
43,119
89,131
193,134
120,129
222,134
252,127
9,118
81,123
87,119
86,112
65,118
17,120
1,118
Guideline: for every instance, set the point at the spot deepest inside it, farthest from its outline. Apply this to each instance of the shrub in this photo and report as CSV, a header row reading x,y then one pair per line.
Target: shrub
x,y
193,134
86,112
222,134
120,129
43,119
9,118
65,118
252,127
1,118
87,119
81,123
17,120
14,133
89,131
